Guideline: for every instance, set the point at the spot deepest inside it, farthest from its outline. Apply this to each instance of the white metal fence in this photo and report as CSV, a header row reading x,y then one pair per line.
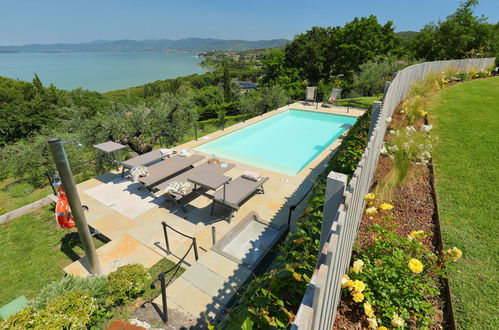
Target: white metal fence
x,y
343,205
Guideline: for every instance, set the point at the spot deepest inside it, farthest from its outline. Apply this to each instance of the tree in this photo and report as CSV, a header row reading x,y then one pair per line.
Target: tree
x,y
322,53
277,73
460,35
226,83
373,74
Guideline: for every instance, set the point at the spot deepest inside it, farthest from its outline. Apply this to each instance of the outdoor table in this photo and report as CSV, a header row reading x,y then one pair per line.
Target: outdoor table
x,y
109,148
211,181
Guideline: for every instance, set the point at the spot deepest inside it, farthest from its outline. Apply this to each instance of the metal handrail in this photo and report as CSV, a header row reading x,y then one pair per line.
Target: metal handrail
x,y
293,207
166,226
161,278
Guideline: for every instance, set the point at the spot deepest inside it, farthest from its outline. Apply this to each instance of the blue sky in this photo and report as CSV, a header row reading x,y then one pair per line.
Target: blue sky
x,y
51,21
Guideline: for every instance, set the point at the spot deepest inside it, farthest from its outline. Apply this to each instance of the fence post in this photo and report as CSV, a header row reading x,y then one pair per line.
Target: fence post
x,y
164,300
196,131
335,188
213,235
385,89
374,117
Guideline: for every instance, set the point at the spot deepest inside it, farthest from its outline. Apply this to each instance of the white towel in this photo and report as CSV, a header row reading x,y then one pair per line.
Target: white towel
x,y
166,152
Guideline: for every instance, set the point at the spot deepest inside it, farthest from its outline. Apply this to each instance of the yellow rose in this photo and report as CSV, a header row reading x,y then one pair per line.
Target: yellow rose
x,y
397,321
382,328
368,309
415,234
454,254
359,286
349,285
357,266
358,297
373,323
386,207
369,197
415,266
371,211
344,281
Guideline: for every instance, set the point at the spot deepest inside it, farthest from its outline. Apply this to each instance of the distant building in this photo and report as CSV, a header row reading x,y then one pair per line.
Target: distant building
x,y
247,85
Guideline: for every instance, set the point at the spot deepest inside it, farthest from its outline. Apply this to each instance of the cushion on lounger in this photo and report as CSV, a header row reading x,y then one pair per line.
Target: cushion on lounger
x,y
184,153
253,176
138,172
178,187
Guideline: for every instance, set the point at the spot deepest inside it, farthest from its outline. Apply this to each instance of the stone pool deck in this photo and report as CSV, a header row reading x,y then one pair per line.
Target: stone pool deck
x,y
132,220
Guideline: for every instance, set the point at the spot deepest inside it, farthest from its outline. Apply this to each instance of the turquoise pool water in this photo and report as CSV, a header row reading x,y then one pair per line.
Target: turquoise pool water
x,y
284,143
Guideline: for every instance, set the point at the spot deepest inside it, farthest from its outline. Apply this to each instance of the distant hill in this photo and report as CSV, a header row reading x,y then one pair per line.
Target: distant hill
x,y
190,44
406,35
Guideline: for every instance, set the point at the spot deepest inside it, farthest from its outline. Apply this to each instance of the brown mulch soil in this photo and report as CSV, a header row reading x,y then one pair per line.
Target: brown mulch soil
x,y
414,209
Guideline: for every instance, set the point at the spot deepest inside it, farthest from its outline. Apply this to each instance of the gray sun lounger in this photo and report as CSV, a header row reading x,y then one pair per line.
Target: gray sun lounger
x,y
143,160
236,193
166,169
310,95
204,169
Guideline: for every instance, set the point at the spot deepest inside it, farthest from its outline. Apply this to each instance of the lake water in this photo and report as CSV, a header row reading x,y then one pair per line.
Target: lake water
x,y
98,71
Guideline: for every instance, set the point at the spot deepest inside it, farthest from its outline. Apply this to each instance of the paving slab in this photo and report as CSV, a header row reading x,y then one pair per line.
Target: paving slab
x,y
124,250
204,279
188,297
224,266
114,224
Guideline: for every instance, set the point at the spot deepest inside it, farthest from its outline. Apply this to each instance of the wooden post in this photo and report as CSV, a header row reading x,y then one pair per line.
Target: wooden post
x,y
335,188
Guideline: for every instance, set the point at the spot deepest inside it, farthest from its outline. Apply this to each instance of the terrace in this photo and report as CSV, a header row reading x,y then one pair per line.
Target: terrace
x,y
127,215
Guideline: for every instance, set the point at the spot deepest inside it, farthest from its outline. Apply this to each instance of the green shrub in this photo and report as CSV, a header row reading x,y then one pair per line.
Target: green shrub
x,y
126,283
73,310
395,278
21,189
96,285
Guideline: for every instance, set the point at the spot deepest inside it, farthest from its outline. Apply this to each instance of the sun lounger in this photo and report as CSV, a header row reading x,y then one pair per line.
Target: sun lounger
x,y
236,193
166,169
333,97
310,95
205,169
145,159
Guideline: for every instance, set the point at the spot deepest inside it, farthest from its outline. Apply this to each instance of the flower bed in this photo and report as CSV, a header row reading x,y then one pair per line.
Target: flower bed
x,y
396,276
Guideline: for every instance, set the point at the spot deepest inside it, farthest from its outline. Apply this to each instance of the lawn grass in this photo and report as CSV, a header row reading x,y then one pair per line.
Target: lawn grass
x,y
11,198
466,120
358,102
34,252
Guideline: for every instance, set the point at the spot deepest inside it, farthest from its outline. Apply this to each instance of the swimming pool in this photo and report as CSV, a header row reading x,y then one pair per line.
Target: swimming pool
x,y
284,143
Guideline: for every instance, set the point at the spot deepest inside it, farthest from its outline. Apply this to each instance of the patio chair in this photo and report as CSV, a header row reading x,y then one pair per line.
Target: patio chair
x,y
236,193
146,159
333,97
203,169
166,169
310,95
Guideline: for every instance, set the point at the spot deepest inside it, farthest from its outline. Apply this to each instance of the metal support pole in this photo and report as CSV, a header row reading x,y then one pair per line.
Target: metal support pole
x,y
196,131
61,161
213,235
163,298
166,238
195,248
51,183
